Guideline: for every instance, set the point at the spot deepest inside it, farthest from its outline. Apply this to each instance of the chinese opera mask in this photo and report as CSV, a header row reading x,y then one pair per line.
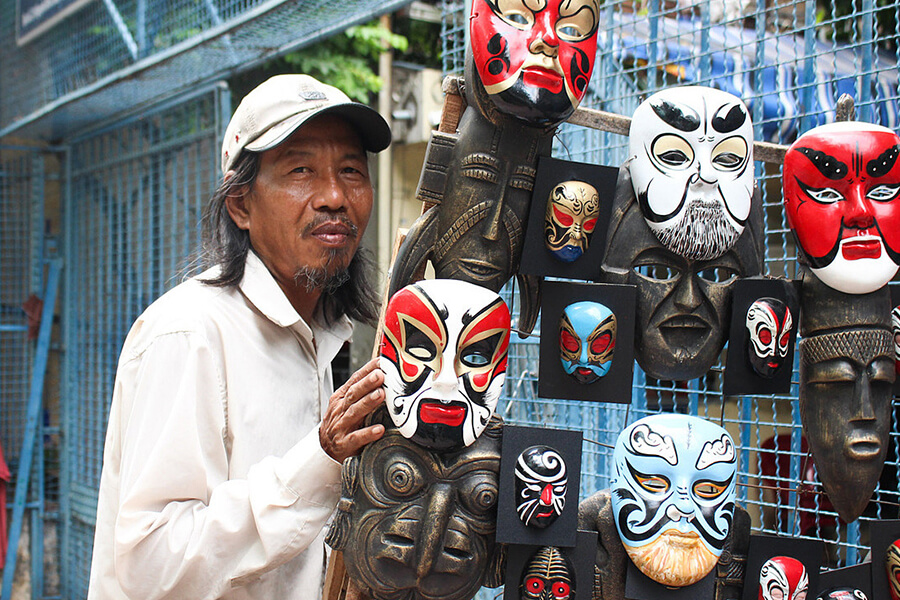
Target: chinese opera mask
x,y
683,305
895,328
769,324
535,57
541,483
587,340
843,593
783,578
693,168
892,566
548,575
673,496
443,353
841,184
572,211
419,524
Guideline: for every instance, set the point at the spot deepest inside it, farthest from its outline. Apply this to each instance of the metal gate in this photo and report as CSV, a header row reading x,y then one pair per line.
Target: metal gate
x,y
136,191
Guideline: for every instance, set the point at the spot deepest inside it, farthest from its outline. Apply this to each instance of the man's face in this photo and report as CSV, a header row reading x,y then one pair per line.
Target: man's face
x,y
541,483
673,496
311,201
535,57
841,185
443,353
587,340
693,168
572,211
783,578
769,323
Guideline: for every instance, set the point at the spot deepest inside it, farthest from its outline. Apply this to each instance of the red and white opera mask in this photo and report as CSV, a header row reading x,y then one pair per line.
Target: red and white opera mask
x,y
783,578
841,186
535,57
443,353
769,323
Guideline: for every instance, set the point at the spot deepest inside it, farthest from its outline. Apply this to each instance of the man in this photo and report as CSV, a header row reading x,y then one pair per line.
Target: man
x,y
222,457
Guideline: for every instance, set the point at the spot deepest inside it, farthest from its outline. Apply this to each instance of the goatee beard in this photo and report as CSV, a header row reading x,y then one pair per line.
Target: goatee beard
x,y
327,278
703,232
673,560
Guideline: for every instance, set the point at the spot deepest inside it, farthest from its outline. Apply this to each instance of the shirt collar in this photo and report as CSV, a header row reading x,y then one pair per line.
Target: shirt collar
x,y
261,289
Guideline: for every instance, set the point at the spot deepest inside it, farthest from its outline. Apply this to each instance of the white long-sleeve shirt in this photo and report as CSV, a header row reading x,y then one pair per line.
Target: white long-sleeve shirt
x,y
214,484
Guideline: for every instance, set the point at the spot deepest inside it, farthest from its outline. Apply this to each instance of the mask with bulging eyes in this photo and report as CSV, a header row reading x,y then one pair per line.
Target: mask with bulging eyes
x,y
769,323
548,575
443,354
673,495
587,340
783,578
693,168
892,567
541,484
572,211
842,201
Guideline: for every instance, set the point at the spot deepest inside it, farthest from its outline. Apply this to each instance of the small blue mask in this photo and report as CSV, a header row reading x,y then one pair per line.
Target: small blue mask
x,y
587,339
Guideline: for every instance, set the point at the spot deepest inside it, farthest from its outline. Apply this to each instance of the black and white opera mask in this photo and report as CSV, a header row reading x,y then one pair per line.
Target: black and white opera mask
x,y
548,575
693,168
769,323
541,483
673,495
443,354
895,330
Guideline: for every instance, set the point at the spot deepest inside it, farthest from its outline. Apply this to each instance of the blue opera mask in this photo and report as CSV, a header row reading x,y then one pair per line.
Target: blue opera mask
x,y
673,496
587,339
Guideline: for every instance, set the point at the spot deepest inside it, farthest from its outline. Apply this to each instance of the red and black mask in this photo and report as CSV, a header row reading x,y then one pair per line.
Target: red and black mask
x,y
841,189
443,354
549,575
535,57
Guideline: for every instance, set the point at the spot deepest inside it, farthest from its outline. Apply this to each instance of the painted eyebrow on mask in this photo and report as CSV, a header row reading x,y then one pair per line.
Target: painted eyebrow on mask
x,y
679,116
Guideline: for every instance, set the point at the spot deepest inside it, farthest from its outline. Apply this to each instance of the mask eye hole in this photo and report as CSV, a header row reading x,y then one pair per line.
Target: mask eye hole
x,y
672,152
516,14
824,195
534,585
883,193
479,354
657,272
730,154
718,274
599,345
654,484
569,342
709,490
785,339
560,590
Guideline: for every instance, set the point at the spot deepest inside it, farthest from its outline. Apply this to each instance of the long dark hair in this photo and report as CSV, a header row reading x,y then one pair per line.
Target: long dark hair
x,y
226,245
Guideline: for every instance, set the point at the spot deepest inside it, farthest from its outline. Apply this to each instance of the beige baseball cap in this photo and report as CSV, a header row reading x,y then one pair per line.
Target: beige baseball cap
x,y
274,110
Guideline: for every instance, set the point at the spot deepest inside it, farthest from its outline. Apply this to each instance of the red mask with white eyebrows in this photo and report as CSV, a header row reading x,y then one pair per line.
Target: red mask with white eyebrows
x,y
841,188
535,57
443,354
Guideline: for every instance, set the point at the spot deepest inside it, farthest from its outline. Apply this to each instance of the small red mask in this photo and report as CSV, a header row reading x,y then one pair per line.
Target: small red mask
x,y
535,57
841,189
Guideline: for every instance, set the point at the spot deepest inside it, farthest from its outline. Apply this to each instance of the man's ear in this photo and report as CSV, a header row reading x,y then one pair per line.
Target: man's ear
x,y
236,204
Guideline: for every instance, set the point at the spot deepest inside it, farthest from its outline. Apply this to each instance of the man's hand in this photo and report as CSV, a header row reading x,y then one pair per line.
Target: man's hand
x,y
340,433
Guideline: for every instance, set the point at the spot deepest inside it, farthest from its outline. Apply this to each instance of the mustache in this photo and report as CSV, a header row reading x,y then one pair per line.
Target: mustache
x,y
330,218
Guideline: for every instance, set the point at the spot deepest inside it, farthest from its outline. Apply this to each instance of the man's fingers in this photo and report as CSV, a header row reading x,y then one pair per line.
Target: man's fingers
x,y
357,411
353,442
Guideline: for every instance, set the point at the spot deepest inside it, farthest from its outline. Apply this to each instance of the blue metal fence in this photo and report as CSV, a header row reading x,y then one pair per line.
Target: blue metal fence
x,y
136,193
789,61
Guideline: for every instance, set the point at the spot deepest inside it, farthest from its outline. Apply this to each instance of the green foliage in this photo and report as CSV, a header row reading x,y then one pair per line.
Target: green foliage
x,y
348,60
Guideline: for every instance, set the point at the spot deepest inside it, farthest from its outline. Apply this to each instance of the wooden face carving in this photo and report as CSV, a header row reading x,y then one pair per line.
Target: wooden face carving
x,y
692,168
535,57
572,211
783,578
443,353
841,186
673,496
